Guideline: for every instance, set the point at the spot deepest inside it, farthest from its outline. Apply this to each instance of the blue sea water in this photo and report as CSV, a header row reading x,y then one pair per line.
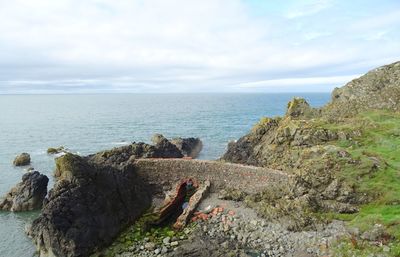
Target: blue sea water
x,y
89,123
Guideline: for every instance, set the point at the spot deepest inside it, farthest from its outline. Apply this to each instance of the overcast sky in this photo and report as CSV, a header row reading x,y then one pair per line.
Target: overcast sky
x,y
68,46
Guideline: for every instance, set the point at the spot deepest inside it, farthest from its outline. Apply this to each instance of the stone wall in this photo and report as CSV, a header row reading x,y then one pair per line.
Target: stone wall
x,y
166,172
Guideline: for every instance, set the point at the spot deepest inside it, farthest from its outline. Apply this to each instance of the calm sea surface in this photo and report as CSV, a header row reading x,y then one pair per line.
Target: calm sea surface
x,y
89,123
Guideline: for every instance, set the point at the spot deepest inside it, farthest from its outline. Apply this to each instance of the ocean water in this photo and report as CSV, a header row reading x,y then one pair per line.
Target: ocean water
x,y
89,123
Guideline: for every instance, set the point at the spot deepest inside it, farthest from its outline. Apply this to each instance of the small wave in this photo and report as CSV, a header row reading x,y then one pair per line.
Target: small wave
x,y
120,143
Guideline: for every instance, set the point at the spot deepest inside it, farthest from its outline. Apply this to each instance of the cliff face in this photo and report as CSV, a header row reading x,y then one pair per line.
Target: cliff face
x,y
325,149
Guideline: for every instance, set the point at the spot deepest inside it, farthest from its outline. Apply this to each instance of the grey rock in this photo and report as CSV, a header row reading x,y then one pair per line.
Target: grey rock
x,y
166,240
374,234
150,246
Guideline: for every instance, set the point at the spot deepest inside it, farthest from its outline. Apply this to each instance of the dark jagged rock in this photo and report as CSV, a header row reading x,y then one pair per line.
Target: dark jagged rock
x,y
190,147
89,205
27,195
22,160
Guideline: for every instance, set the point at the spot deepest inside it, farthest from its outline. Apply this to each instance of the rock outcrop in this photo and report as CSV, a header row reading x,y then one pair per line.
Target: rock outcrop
x,y
22,160
190,147
89,205
304,142
379,89
27,195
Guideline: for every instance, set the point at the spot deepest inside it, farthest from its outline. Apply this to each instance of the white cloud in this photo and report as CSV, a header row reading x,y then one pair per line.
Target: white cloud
x,y
333,81
176,45
306,8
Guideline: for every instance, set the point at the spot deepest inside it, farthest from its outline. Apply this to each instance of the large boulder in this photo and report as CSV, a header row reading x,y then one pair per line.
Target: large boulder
x,y
22,160
27,195
89,205
190,147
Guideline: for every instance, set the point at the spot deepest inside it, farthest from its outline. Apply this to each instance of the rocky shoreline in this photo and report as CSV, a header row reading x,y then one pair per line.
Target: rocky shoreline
x,y
315,182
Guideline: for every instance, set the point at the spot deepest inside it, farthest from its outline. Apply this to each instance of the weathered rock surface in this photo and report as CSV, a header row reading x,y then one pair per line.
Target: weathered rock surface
x,y
27,195
190,147
22,160
89,205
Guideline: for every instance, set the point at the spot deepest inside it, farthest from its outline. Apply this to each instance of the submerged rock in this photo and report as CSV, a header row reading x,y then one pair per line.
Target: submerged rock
x,y
27,195
57,150
22,160
89,205
190,147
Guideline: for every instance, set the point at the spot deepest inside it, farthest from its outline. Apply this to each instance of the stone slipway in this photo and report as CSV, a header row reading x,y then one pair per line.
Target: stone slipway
x,y
250,179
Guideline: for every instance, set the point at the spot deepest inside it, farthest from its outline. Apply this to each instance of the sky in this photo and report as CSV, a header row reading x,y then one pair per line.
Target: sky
x,y
160,46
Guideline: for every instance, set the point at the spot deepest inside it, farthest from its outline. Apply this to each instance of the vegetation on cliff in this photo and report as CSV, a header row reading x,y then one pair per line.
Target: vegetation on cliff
x,y
344,159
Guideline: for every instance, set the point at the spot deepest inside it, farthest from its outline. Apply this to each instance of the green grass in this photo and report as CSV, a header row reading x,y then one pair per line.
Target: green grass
x,y
379,143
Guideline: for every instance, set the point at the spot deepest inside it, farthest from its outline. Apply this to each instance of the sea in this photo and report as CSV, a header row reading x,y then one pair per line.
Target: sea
x,y
87,124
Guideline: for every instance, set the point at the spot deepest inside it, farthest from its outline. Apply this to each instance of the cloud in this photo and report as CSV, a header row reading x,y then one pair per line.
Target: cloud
x,y
183,46
335,81
306,8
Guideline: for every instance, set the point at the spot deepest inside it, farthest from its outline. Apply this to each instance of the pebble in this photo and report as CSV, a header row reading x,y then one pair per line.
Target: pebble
x,y
164,250
166,240
268,239
150,246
